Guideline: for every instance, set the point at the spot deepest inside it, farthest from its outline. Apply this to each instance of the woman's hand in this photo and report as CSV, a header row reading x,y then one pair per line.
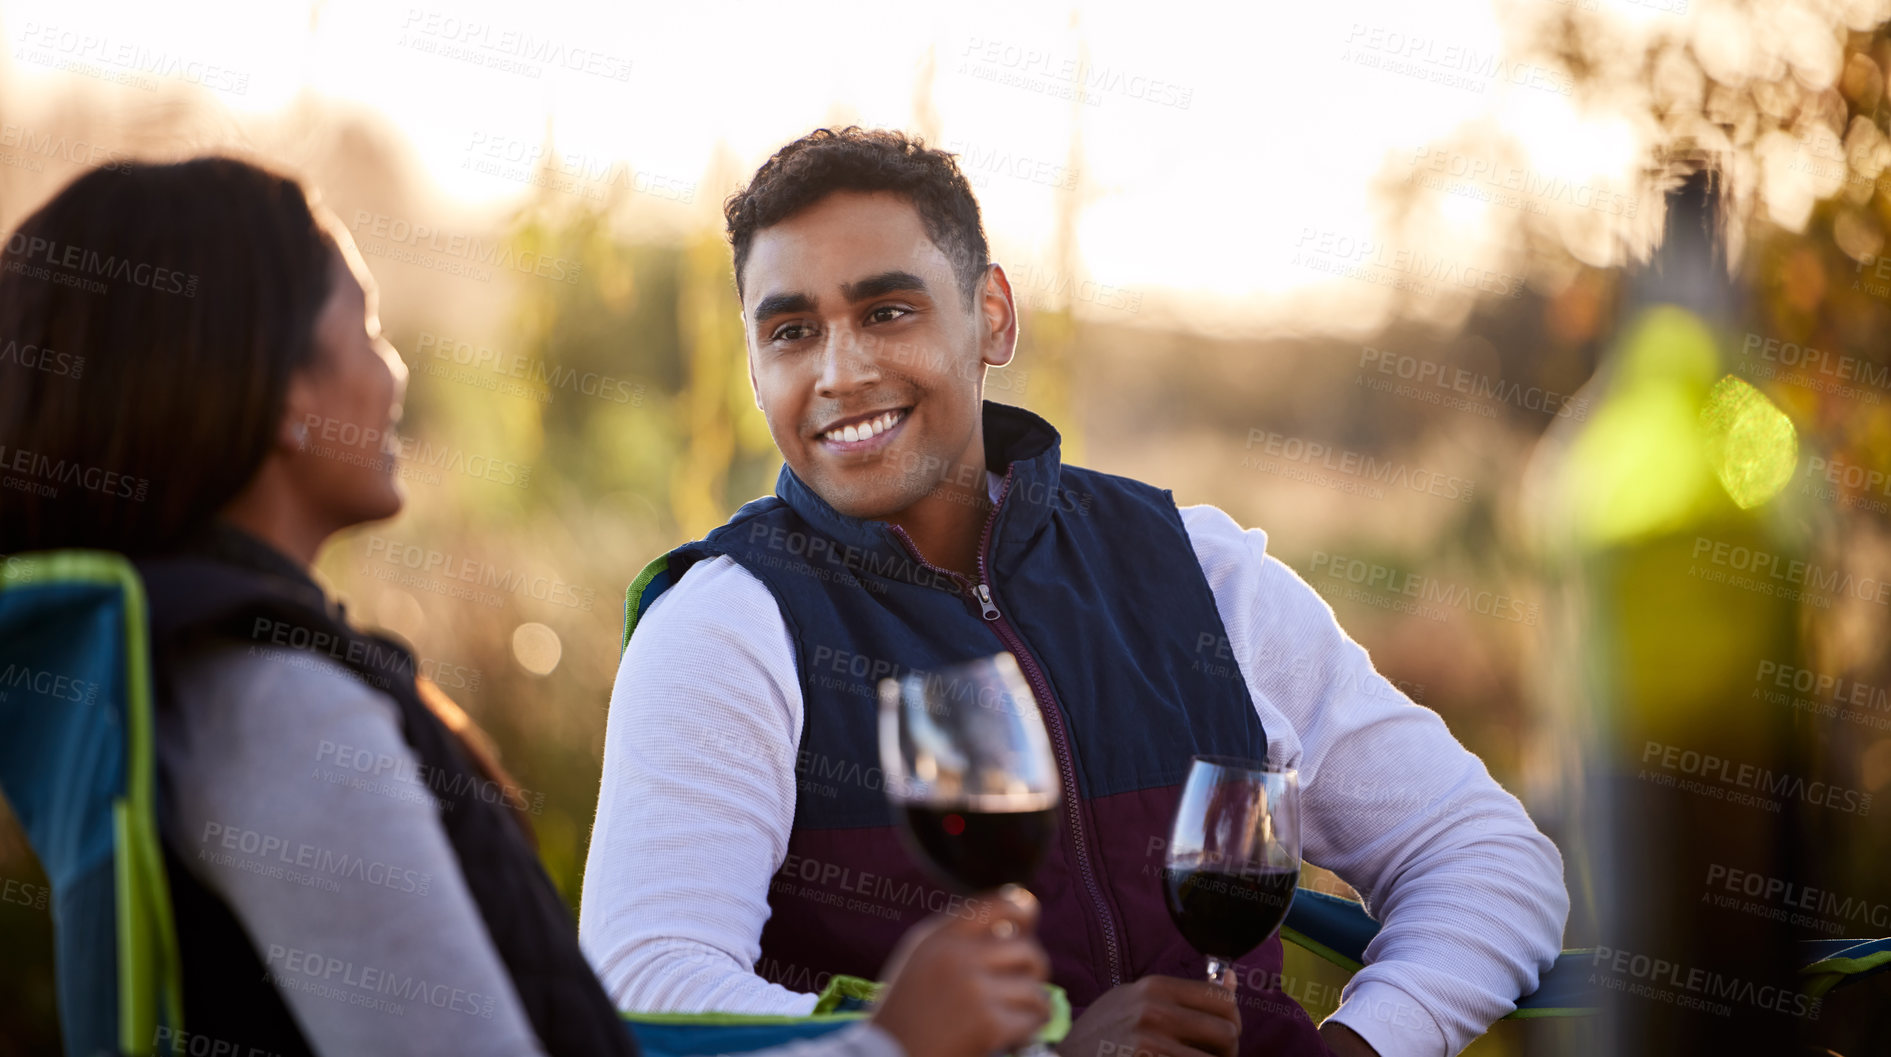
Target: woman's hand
x,y
959,987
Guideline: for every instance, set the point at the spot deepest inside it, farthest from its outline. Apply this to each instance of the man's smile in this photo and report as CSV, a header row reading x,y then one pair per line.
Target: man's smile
x,y
863,433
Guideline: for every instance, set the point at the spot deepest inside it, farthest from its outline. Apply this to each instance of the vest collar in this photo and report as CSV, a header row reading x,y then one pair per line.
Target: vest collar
x,y
1020,446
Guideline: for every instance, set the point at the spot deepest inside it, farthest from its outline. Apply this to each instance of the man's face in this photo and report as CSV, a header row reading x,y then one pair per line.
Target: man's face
x,y
867,362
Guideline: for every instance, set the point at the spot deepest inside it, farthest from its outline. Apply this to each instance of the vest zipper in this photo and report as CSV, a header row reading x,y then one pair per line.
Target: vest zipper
x,y
1040,686
987,608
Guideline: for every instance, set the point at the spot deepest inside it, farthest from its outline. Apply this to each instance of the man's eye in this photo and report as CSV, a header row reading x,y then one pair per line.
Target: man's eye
x,y
887,313
790,332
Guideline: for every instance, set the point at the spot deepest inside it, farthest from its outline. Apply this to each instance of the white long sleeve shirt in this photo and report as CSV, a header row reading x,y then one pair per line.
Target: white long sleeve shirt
x,y
698,800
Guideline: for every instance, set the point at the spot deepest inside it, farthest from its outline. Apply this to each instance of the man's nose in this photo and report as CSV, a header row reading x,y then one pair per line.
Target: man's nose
x,y
847,363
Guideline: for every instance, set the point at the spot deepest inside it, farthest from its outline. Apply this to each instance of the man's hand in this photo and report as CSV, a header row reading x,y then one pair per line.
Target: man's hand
x,y
1342,1041
1158,1016
955,988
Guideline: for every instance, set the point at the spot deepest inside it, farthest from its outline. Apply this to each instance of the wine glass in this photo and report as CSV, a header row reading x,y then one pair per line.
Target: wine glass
x,y
1234,856
970,772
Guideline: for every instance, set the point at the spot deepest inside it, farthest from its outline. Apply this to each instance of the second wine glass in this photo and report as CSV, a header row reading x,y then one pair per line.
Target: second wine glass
x,y
1234,856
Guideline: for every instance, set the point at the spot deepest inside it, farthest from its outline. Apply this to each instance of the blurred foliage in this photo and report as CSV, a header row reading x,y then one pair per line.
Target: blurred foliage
x,y
614,484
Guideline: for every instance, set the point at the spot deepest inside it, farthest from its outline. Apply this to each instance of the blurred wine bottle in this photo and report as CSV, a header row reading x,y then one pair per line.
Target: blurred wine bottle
x,y
1674,561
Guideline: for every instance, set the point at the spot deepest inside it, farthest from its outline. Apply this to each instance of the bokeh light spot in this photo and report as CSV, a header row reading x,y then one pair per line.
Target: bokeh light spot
x,y
1638,468
537,648
1750,442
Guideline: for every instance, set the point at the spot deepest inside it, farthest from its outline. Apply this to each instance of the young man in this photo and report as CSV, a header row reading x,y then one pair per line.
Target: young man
x,y
743,840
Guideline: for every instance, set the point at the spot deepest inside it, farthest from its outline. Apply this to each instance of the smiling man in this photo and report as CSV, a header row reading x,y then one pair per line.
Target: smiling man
x,y
744,851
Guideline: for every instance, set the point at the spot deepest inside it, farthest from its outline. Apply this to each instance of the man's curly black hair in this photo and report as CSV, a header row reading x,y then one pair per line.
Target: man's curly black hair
x,y
856,159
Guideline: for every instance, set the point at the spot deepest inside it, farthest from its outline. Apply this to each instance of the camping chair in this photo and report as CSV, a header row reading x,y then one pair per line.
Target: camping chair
x,y
76,765
1338,930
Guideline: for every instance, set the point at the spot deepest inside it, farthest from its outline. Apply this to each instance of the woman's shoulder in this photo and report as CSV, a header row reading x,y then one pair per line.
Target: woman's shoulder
x,y
248,685
244,721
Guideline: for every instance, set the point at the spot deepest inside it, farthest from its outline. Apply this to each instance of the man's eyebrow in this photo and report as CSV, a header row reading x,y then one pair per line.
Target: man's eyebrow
x,y
872,286
883,283
779,304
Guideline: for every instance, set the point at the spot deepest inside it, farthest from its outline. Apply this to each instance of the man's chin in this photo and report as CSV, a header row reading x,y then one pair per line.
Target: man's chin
x,y
870,509
868,503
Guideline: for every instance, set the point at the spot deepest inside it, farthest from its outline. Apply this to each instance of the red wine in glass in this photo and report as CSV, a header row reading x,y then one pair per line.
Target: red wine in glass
x,y
1234,856
977,851
970,773
1224,913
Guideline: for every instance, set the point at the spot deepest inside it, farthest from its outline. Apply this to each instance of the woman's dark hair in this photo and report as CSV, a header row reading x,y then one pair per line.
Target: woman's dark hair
x,y
150,319
856,159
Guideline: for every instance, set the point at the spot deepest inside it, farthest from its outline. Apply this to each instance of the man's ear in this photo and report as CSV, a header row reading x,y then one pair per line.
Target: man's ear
x,y
998,318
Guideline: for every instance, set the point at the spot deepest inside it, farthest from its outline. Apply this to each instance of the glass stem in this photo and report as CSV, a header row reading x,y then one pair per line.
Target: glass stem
x,y
1217,969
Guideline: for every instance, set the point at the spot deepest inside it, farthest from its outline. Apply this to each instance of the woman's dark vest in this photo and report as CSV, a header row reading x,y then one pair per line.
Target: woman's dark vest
x,y
236,589
1098,592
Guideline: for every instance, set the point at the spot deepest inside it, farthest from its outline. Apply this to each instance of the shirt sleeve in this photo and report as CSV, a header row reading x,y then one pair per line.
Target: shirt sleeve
x,y
697,801
291,794
1470,893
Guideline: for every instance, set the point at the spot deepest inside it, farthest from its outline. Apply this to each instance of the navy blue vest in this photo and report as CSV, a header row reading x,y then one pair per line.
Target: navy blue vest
x,y
1098,593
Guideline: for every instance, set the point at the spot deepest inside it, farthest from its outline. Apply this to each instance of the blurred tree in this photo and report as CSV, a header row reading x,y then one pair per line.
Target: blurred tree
x,y
716,391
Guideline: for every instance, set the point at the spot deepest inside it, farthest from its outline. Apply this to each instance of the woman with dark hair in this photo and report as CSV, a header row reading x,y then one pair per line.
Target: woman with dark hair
x,y
200,382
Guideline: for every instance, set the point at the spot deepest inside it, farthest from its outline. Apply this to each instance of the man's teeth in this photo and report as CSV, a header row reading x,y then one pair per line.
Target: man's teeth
x,y
865,430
